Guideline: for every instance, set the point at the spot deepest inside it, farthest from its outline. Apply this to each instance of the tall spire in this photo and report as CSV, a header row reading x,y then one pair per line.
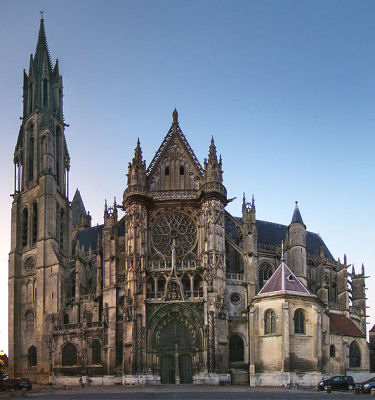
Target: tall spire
x,y
42,46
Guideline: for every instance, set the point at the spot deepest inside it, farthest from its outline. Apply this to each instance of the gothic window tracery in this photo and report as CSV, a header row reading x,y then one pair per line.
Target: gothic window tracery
x,y
29,319
175,227
265,272
269,322
354,355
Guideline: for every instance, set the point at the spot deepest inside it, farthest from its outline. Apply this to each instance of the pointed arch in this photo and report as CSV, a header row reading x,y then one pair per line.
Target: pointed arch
x,y
25,221
32,357
34,235
69,355
265,272
236,348
269,322
96,352
29,320
354,355
299,322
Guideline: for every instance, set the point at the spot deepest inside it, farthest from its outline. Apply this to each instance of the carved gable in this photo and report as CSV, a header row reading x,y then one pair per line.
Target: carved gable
x,y
175,166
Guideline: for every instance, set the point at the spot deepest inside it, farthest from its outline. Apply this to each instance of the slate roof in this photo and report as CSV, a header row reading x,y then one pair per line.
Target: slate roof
x,y
296,218
283,280
372,329
272,233
78,208
341,325
88,237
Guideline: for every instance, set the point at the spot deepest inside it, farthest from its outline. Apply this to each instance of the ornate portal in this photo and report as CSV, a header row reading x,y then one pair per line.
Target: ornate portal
x,y
174,226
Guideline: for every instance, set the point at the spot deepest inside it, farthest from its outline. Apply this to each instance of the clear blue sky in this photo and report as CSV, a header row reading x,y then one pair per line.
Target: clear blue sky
x,y
287,88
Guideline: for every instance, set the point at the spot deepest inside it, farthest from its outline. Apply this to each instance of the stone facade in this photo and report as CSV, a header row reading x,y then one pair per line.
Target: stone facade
x,y
175,291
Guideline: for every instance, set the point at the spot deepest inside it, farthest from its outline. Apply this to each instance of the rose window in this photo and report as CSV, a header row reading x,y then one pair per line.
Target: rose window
x,y
177,227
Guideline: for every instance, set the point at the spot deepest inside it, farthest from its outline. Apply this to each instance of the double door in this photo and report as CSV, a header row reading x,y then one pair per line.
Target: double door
x,y
176,369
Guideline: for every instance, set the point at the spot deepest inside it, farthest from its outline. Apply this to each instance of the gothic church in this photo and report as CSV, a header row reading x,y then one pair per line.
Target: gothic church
x,y
175,291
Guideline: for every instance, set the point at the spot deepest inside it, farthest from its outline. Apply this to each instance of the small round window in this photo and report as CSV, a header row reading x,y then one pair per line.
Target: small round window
x,y
235,298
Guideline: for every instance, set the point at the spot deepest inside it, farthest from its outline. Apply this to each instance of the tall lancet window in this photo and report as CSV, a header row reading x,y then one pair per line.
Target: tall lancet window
x,y
31,159
58,153
31,98
45,92
35,223
25,220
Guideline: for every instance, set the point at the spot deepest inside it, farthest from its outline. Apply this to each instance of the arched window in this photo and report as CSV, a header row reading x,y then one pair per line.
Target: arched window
x,y
186,285
45,92
150,288
30,98
119,352
96,349
69,355
32,357
58,153
198,286
161,286
31,159
265,272
269,322
88,316
61,229
181,170
66,319
299,322
332,351
166,171
25,219
29,319
35,223
236,348
354,355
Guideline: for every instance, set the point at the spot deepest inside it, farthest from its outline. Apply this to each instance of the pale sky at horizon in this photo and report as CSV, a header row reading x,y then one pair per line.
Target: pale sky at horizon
x,y
287,89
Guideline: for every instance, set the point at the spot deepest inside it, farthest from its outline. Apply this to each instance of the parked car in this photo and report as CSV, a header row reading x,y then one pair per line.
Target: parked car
x,y
365,387
15,384
337,383
8,384
24,383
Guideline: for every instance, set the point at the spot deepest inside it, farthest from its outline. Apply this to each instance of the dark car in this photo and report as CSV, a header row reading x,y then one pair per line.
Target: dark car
x,y
15,384
24,383
8,384
337,383
366,386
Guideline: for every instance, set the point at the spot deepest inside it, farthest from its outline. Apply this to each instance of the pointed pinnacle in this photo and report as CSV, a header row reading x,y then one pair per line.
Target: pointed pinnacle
x,y
42,44
212,158
175,116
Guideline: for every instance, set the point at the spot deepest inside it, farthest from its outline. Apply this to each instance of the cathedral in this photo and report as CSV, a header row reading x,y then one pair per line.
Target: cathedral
x,y
171,288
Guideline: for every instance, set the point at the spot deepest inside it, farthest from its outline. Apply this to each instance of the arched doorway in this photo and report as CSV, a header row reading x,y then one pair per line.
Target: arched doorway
x,y
176,344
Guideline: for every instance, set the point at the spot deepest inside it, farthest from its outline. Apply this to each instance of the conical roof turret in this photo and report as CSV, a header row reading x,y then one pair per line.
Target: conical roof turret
x,y
297,218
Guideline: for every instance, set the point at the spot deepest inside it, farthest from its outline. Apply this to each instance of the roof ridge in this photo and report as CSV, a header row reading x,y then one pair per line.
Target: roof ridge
x,y
174,130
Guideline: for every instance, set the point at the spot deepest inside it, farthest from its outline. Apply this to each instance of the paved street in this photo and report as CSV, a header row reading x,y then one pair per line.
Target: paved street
x,y
179,392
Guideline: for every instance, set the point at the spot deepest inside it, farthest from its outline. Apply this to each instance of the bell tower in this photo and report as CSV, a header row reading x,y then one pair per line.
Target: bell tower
x,y
41,218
